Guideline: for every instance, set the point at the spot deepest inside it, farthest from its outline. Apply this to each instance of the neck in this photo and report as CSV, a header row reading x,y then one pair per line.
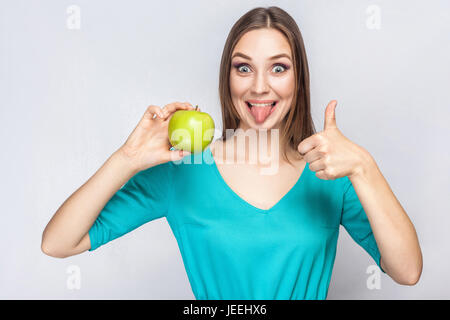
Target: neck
x,y
260,148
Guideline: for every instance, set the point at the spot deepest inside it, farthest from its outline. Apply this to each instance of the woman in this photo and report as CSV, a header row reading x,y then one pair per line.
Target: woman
x,y
246,233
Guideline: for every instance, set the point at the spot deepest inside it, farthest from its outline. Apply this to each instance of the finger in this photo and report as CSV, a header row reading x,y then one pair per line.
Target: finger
x,y
317,165
187,105
172,107
190,106
308,144
322,175
330,115
175,155
153,112
313,155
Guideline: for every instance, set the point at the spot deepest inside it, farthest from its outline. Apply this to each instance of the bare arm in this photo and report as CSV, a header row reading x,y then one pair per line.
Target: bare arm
x,y
67,232
393,230
333,156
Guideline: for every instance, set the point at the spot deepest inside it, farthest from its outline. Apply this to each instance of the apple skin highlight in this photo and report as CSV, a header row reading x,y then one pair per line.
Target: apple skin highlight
x,y
191,130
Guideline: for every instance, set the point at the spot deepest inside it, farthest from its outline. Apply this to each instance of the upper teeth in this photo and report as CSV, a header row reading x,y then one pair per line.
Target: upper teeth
x,y
261,104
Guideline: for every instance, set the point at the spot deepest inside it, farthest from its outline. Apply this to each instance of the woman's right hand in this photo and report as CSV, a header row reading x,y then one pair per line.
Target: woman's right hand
x,y
148,145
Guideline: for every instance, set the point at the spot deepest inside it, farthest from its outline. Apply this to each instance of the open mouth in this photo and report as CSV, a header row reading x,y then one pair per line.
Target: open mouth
x,y
250,106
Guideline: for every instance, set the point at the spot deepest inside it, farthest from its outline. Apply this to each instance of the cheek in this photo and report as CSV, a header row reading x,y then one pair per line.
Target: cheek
x,y
285,89
284,86
238,85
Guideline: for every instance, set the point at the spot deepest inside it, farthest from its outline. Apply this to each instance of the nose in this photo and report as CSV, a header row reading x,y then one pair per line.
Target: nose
x,y
260,84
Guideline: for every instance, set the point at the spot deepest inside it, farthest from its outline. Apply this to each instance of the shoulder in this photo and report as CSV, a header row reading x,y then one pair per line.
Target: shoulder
x,y
155,174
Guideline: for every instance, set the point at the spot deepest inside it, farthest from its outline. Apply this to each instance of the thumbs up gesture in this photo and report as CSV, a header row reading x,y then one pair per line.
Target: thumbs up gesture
x,y
329,153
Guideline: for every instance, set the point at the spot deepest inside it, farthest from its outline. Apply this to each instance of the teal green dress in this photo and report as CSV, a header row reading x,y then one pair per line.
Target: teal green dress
x,y
232,249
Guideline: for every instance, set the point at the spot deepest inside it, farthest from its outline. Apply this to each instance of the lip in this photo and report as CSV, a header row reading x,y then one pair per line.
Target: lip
x,y
261,101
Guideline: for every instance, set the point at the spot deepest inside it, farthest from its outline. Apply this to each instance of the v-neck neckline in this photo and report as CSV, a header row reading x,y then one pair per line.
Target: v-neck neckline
x,y
243,201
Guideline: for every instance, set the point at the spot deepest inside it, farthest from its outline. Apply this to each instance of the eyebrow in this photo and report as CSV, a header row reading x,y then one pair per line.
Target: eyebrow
x,y
239,54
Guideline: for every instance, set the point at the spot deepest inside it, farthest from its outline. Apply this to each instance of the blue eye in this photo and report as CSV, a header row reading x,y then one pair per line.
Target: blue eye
x,y
241,65
282,66
244,65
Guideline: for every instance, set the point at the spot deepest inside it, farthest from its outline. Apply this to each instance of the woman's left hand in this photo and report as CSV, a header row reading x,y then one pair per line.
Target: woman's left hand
x,y
329,153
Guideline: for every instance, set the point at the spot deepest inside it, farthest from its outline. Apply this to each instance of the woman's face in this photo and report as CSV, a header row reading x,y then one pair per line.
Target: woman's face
x,y
257,80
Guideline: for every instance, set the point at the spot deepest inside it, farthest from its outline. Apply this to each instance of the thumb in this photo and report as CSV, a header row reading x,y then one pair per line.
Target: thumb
x,y
330,116
175,155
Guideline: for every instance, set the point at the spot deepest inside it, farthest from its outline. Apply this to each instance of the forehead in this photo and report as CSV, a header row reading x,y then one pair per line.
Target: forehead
x,y
263,42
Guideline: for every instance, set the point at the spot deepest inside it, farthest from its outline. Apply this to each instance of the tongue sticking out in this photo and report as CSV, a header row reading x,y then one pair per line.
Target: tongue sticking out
x,y
260,113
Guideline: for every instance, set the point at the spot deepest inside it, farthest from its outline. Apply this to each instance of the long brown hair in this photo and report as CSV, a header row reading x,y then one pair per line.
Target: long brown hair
x,y
298,123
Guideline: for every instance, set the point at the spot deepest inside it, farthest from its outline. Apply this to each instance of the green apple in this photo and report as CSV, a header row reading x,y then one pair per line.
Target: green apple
x,y
191,130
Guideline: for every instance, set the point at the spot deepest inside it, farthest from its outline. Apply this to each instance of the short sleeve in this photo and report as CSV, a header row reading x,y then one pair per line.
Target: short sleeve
x,y
143,198
355,221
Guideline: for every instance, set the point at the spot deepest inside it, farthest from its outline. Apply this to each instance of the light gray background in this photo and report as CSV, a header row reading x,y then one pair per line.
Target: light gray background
x,y
69,98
